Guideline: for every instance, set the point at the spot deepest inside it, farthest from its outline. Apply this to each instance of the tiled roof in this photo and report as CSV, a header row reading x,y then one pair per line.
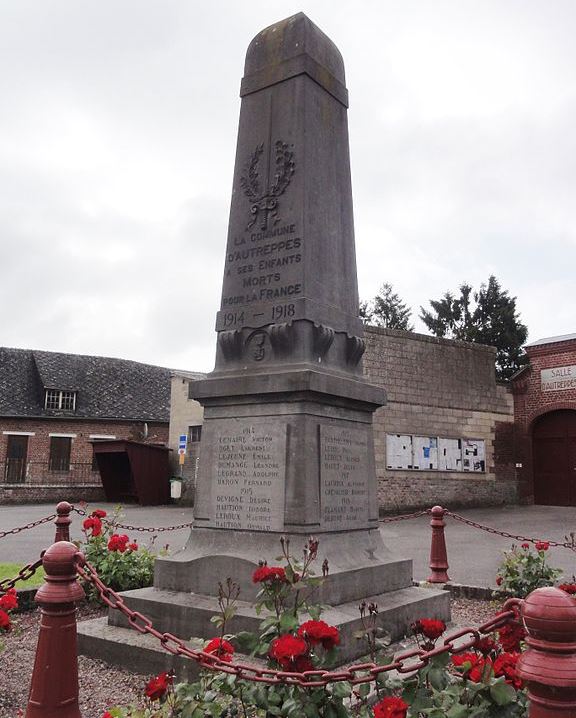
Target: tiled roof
x,y
107,388
552,340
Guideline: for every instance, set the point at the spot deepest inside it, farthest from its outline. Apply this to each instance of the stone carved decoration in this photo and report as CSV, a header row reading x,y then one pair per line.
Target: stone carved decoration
x,y
258,345
281,337
323,338
230,343
265,199
355,347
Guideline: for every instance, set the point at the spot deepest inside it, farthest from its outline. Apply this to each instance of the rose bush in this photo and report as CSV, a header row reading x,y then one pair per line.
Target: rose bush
x,y
121,563
522,570
8,602
480,683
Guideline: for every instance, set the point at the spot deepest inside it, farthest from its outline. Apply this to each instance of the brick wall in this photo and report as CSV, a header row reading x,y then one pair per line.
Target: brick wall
x,y
78,483
444,388
530,402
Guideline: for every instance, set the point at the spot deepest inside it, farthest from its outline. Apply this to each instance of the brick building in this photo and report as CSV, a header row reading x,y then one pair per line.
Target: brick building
x,y
53,407
445,434
545,422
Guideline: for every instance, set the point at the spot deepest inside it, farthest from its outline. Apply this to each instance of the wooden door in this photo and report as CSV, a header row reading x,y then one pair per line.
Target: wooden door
x,y
16,454
554,455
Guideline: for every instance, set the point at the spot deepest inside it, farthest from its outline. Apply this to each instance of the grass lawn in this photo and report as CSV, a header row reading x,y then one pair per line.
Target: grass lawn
x,y
9,570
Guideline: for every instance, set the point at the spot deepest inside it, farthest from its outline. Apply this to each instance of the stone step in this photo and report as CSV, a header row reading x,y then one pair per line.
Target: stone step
x,y
187,615
127,648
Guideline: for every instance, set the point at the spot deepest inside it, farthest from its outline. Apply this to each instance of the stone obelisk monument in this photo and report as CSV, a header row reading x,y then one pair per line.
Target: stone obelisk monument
x,y
287,444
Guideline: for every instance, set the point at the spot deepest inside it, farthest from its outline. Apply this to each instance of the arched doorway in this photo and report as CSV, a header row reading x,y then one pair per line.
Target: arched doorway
x,y
554,455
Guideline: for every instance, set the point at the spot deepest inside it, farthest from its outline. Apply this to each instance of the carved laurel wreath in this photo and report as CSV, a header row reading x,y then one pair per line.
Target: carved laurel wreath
x,y
264,199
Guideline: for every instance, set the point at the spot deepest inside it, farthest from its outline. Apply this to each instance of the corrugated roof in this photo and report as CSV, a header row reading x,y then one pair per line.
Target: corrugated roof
x,y
106,388
552,340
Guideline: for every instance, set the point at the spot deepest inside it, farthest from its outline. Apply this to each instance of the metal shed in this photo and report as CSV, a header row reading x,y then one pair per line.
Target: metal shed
x,y
132,471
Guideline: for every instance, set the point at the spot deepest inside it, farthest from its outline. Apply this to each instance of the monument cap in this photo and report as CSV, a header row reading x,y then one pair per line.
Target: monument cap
x,y
291,47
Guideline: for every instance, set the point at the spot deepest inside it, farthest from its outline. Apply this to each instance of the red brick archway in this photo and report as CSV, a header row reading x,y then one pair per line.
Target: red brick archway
x,y
554,457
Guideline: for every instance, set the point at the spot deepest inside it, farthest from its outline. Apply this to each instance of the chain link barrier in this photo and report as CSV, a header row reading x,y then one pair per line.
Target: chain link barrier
x,y
505,534
31,525
24,574
141,529
403,517
405,662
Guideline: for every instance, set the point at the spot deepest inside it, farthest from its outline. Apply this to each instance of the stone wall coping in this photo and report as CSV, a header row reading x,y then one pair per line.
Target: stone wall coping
x,y
416,336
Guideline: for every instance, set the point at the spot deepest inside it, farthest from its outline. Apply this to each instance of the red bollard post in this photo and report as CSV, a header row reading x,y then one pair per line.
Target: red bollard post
x,y
438,554
54,685
63,521
548,666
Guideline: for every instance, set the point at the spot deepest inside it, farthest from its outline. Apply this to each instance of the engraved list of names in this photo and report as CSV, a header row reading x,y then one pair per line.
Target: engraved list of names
x,y
248,486
343,478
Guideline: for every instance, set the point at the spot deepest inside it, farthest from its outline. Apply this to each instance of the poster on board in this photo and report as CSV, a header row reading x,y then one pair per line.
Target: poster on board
x,y
398,451
473,455
425,451
450,454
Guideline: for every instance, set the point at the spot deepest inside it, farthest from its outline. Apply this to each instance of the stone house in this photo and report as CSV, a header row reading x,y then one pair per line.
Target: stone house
x,y
53,406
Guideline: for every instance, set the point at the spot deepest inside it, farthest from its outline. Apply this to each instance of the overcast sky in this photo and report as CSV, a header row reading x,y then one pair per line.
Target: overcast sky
x,y
118,123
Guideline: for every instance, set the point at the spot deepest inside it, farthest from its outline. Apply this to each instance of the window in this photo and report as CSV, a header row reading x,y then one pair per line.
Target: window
x,y
62,400
60,447
195,433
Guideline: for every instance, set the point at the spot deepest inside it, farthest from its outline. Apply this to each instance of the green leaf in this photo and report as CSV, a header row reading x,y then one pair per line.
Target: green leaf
x,y
457,711
502,693
341,690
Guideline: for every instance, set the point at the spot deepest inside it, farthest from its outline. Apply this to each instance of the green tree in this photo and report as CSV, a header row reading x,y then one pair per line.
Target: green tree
x,y
487,316
386,310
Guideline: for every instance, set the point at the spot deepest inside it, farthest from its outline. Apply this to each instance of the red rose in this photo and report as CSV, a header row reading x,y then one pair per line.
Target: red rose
x,y
269,573
287,649
221,648
542,545
98,513
568,587
318,632
9,600
107,715
499,580
390,707
430,627
526,545
486,645
4,621
511,636
505,665
157,687
473,666
118,542
93,524
133,546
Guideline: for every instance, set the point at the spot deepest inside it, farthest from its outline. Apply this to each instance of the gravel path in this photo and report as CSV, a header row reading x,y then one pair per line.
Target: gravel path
x,y
102,686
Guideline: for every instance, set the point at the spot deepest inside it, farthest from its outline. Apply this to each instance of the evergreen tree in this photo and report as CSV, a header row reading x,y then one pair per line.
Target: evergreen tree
x,y
487,316
386,310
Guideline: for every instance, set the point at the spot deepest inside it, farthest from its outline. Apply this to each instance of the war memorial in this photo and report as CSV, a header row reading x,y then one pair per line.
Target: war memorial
x,y
287,446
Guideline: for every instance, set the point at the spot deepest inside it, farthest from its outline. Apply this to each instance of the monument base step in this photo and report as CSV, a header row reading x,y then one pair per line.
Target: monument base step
x,y
187,615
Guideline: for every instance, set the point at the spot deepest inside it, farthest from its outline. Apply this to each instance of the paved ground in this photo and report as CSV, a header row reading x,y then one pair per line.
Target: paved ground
x,y
473,555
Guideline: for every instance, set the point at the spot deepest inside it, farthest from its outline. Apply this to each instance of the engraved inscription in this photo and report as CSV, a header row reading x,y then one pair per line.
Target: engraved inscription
x,y
248,479
343,478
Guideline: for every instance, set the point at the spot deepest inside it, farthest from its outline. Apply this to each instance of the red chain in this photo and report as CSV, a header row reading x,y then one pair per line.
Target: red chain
x,y
354,674
27,526
402,517
505,534
145,529
23,575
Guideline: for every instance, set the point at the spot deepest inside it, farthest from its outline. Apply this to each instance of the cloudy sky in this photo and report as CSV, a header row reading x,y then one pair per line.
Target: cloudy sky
x,y
118,124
